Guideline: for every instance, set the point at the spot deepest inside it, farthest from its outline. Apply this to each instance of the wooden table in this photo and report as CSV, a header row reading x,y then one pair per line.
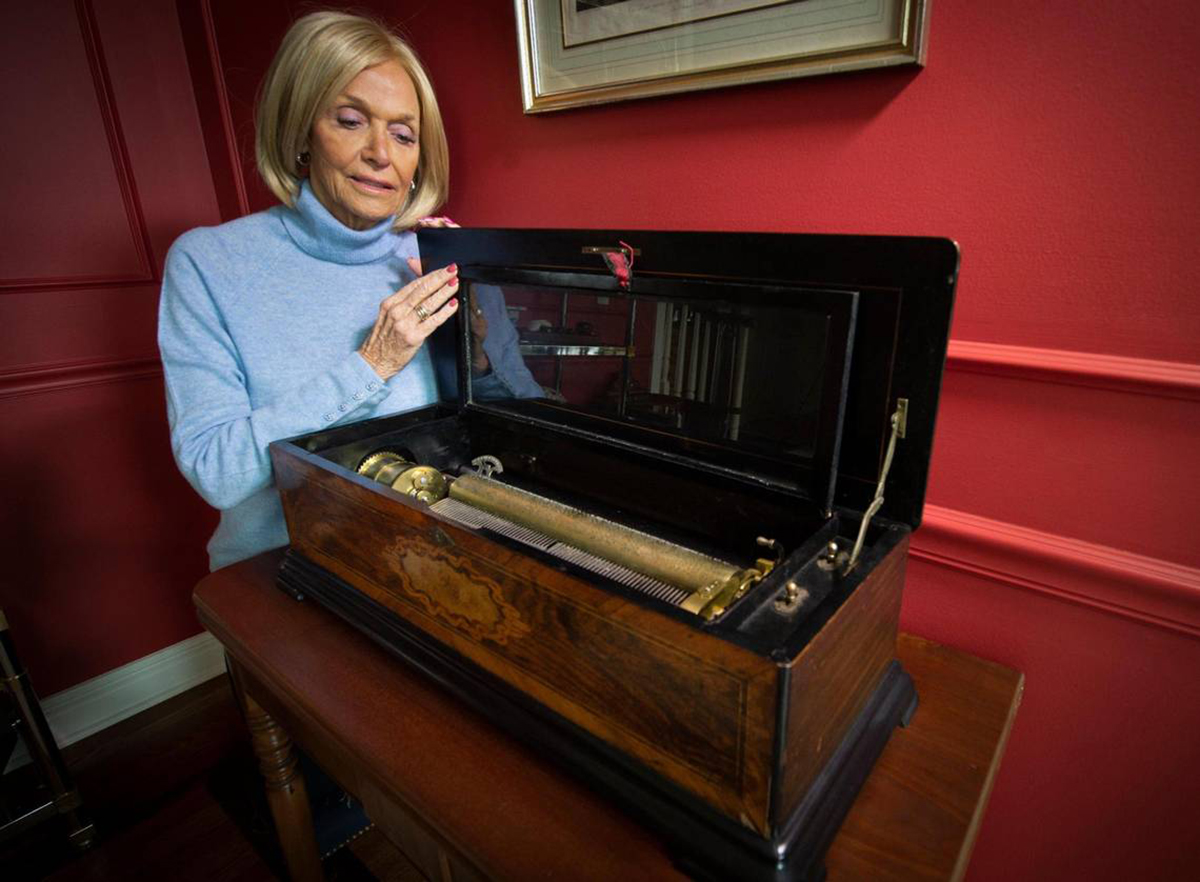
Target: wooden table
x,y
464,800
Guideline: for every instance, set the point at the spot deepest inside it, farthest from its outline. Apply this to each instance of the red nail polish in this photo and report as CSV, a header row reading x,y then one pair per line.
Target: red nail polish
x,y
453,283
452,268
454,303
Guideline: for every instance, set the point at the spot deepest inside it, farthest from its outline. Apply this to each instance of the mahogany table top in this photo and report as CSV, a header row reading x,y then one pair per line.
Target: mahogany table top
x,y
512,814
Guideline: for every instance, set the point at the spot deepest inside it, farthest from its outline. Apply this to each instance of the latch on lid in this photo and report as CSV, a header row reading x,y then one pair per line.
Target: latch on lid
x,y
619,260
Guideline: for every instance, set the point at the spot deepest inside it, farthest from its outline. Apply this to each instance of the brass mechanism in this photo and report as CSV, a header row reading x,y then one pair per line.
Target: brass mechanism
x,y
832,557
706,585
713,584
423,483
899,428
370,466
487,465
793,596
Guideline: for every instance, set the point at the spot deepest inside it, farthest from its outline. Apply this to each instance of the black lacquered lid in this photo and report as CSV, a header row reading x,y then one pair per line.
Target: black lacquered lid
x,y
776,357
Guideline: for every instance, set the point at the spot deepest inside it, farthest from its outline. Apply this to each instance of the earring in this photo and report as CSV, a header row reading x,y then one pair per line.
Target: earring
x,y
412,185
302,159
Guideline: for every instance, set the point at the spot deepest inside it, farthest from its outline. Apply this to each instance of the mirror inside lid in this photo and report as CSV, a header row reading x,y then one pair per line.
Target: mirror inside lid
x,y
738,353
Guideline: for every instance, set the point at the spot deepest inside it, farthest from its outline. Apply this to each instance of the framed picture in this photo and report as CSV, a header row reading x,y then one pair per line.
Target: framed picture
x,y
576,52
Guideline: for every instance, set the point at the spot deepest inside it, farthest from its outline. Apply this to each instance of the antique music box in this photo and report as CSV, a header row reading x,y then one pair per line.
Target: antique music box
x,y
678,567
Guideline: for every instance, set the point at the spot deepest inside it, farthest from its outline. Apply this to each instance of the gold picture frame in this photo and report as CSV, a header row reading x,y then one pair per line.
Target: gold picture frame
x,y
579,52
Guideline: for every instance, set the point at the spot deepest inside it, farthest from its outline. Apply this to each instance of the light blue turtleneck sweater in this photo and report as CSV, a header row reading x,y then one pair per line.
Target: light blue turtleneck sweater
x,y
259,325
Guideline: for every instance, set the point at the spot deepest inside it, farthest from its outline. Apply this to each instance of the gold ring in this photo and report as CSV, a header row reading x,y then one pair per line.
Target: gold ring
x,y
422,312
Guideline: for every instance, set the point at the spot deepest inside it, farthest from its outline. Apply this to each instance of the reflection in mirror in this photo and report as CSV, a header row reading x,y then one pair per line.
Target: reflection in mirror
x,y
481,302
744,374
497,367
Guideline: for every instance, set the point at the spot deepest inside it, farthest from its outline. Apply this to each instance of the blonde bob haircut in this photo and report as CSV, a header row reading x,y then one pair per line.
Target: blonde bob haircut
x,y
320,54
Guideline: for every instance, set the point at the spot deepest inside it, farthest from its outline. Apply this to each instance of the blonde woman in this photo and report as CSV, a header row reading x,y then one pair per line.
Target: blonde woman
x,y
316,312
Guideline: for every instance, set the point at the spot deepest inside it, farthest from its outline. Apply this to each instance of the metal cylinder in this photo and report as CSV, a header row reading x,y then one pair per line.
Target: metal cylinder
x,y
631,548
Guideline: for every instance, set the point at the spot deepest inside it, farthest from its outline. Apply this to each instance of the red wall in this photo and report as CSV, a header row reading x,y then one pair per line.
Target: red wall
x,y
1058,146
104,165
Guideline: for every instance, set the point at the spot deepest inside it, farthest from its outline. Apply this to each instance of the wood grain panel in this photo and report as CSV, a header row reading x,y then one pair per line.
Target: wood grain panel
x,y
436,775
485,795
66,178
692,707
833,676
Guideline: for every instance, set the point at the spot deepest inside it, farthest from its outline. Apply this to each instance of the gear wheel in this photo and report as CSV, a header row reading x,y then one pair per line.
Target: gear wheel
x,y
373,462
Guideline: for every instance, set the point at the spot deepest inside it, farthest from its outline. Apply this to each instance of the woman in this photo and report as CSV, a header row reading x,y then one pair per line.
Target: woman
x,y
315,312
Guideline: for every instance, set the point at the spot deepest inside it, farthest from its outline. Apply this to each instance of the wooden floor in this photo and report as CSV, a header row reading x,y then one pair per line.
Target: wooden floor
x,y
175,794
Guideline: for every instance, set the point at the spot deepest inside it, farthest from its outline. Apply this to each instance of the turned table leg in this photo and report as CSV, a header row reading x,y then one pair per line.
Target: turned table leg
x,y
286,793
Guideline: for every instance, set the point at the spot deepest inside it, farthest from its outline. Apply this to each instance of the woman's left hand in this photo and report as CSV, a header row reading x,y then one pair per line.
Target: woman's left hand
x,y
479,323
409,316
479,326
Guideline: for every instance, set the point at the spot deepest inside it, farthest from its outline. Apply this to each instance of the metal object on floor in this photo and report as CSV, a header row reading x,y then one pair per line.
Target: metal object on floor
x,y
22,716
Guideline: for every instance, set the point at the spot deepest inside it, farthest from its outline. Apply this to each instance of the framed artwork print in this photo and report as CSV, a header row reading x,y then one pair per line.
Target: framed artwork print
x,y
576,52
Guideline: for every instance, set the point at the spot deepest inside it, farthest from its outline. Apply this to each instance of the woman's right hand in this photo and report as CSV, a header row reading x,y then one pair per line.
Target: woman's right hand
x,y
408,317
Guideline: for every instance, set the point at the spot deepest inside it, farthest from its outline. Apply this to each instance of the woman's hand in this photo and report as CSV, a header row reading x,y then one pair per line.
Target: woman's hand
x,y
408,317
479,325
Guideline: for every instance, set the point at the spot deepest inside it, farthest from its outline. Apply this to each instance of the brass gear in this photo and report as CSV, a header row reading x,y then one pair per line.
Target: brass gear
x,y
372,463
423,483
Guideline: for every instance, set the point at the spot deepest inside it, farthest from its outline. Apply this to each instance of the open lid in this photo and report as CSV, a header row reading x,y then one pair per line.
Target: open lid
x,y
775,358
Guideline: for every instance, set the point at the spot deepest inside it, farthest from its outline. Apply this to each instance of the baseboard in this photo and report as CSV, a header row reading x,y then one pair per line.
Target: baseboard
x,y
1120,582
96,704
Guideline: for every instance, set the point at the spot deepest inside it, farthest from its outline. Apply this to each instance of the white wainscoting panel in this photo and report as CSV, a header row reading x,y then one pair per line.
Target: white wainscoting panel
x,y
96,704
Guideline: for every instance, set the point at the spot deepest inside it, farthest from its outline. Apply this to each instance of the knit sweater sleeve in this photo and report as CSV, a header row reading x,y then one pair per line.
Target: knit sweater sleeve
x,y
218,438
508,377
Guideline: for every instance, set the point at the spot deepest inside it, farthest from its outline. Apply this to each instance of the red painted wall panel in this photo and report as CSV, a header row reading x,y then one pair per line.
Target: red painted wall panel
x,y
1110,468
52,325
107,534
151,84
59,176
104,167
1099,781
246,40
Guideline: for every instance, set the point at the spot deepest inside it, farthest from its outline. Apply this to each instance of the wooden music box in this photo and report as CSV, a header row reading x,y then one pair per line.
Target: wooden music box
x,y
678,568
